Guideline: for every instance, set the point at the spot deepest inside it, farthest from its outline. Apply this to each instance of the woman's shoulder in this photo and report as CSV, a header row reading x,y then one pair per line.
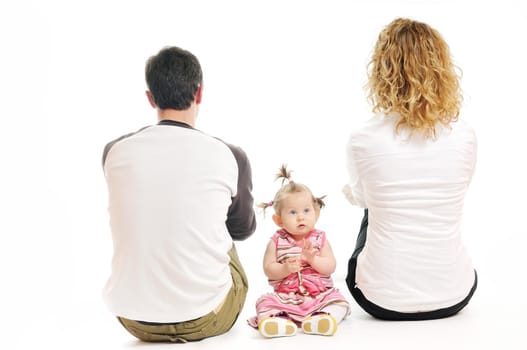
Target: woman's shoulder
x,y
374,132
463,125
377,124
462,131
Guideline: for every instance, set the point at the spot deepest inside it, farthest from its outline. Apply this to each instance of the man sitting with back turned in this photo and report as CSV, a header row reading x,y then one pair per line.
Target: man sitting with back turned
x,y
177,200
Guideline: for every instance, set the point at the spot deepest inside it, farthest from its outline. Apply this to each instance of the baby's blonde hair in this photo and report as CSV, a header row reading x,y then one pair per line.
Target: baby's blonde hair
x,y
288,188
411,73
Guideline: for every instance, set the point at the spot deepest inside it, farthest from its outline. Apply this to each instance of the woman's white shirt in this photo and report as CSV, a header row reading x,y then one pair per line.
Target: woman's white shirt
x,y
414,188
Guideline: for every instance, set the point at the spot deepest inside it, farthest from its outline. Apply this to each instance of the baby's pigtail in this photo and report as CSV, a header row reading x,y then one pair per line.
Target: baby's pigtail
x,y
283,174
320,201
264,206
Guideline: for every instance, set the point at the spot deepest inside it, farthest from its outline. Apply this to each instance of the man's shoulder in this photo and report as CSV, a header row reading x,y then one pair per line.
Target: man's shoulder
x,y
112,143
125,136
237,151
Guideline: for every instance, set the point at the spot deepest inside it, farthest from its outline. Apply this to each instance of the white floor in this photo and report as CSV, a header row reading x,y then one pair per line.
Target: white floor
x,y
486,323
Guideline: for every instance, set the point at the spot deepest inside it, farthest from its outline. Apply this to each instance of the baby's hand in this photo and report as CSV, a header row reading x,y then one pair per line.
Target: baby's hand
x,y
293,265
309,252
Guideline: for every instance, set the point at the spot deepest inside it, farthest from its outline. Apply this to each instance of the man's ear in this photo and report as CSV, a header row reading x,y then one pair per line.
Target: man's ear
x,y
199,93
277,220
150,99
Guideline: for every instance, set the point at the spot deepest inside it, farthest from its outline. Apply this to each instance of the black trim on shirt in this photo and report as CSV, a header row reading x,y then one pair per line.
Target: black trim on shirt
x,y
175,123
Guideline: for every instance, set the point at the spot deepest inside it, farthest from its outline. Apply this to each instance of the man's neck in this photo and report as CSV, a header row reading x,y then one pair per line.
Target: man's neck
x,y
187,116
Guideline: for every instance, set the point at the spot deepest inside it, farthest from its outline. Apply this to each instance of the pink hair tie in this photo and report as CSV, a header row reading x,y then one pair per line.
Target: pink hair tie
x,y
270,203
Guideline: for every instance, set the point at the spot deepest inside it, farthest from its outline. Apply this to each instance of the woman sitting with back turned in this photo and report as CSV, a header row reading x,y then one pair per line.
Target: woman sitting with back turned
x,y
410,167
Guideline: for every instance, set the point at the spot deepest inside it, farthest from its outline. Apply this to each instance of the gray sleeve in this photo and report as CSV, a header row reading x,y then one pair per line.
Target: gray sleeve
x,y
241,218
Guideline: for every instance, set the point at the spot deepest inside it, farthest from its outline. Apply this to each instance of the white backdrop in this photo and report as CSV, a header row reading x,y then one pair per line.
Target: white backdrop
x,y
283,80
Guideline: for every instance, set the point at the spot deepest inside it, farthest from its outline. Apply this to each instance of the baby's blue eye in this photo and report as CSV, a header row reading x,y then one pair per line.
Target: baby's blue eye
x,y
292,212
306,211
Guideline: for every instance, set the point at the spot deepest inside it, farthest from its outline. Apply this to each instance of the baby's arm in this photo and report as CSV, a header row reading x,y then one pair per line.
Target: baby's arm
x,y
275,270
323,261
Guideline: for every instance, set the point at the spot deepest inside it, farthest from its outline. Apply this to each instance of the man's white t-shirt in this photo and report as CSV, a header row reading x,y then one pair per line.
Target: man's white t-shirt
x,y
177,199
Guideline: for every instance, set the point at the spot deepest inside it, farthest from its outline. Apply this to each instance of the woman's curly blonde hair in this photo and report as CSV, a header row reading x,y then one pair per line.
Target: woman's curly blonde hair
x,y
411,73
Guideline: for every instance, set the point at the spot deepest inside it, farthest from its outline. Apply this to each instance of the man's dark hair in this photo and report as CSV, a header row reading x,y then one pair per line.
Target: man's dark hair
x,y
173,77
